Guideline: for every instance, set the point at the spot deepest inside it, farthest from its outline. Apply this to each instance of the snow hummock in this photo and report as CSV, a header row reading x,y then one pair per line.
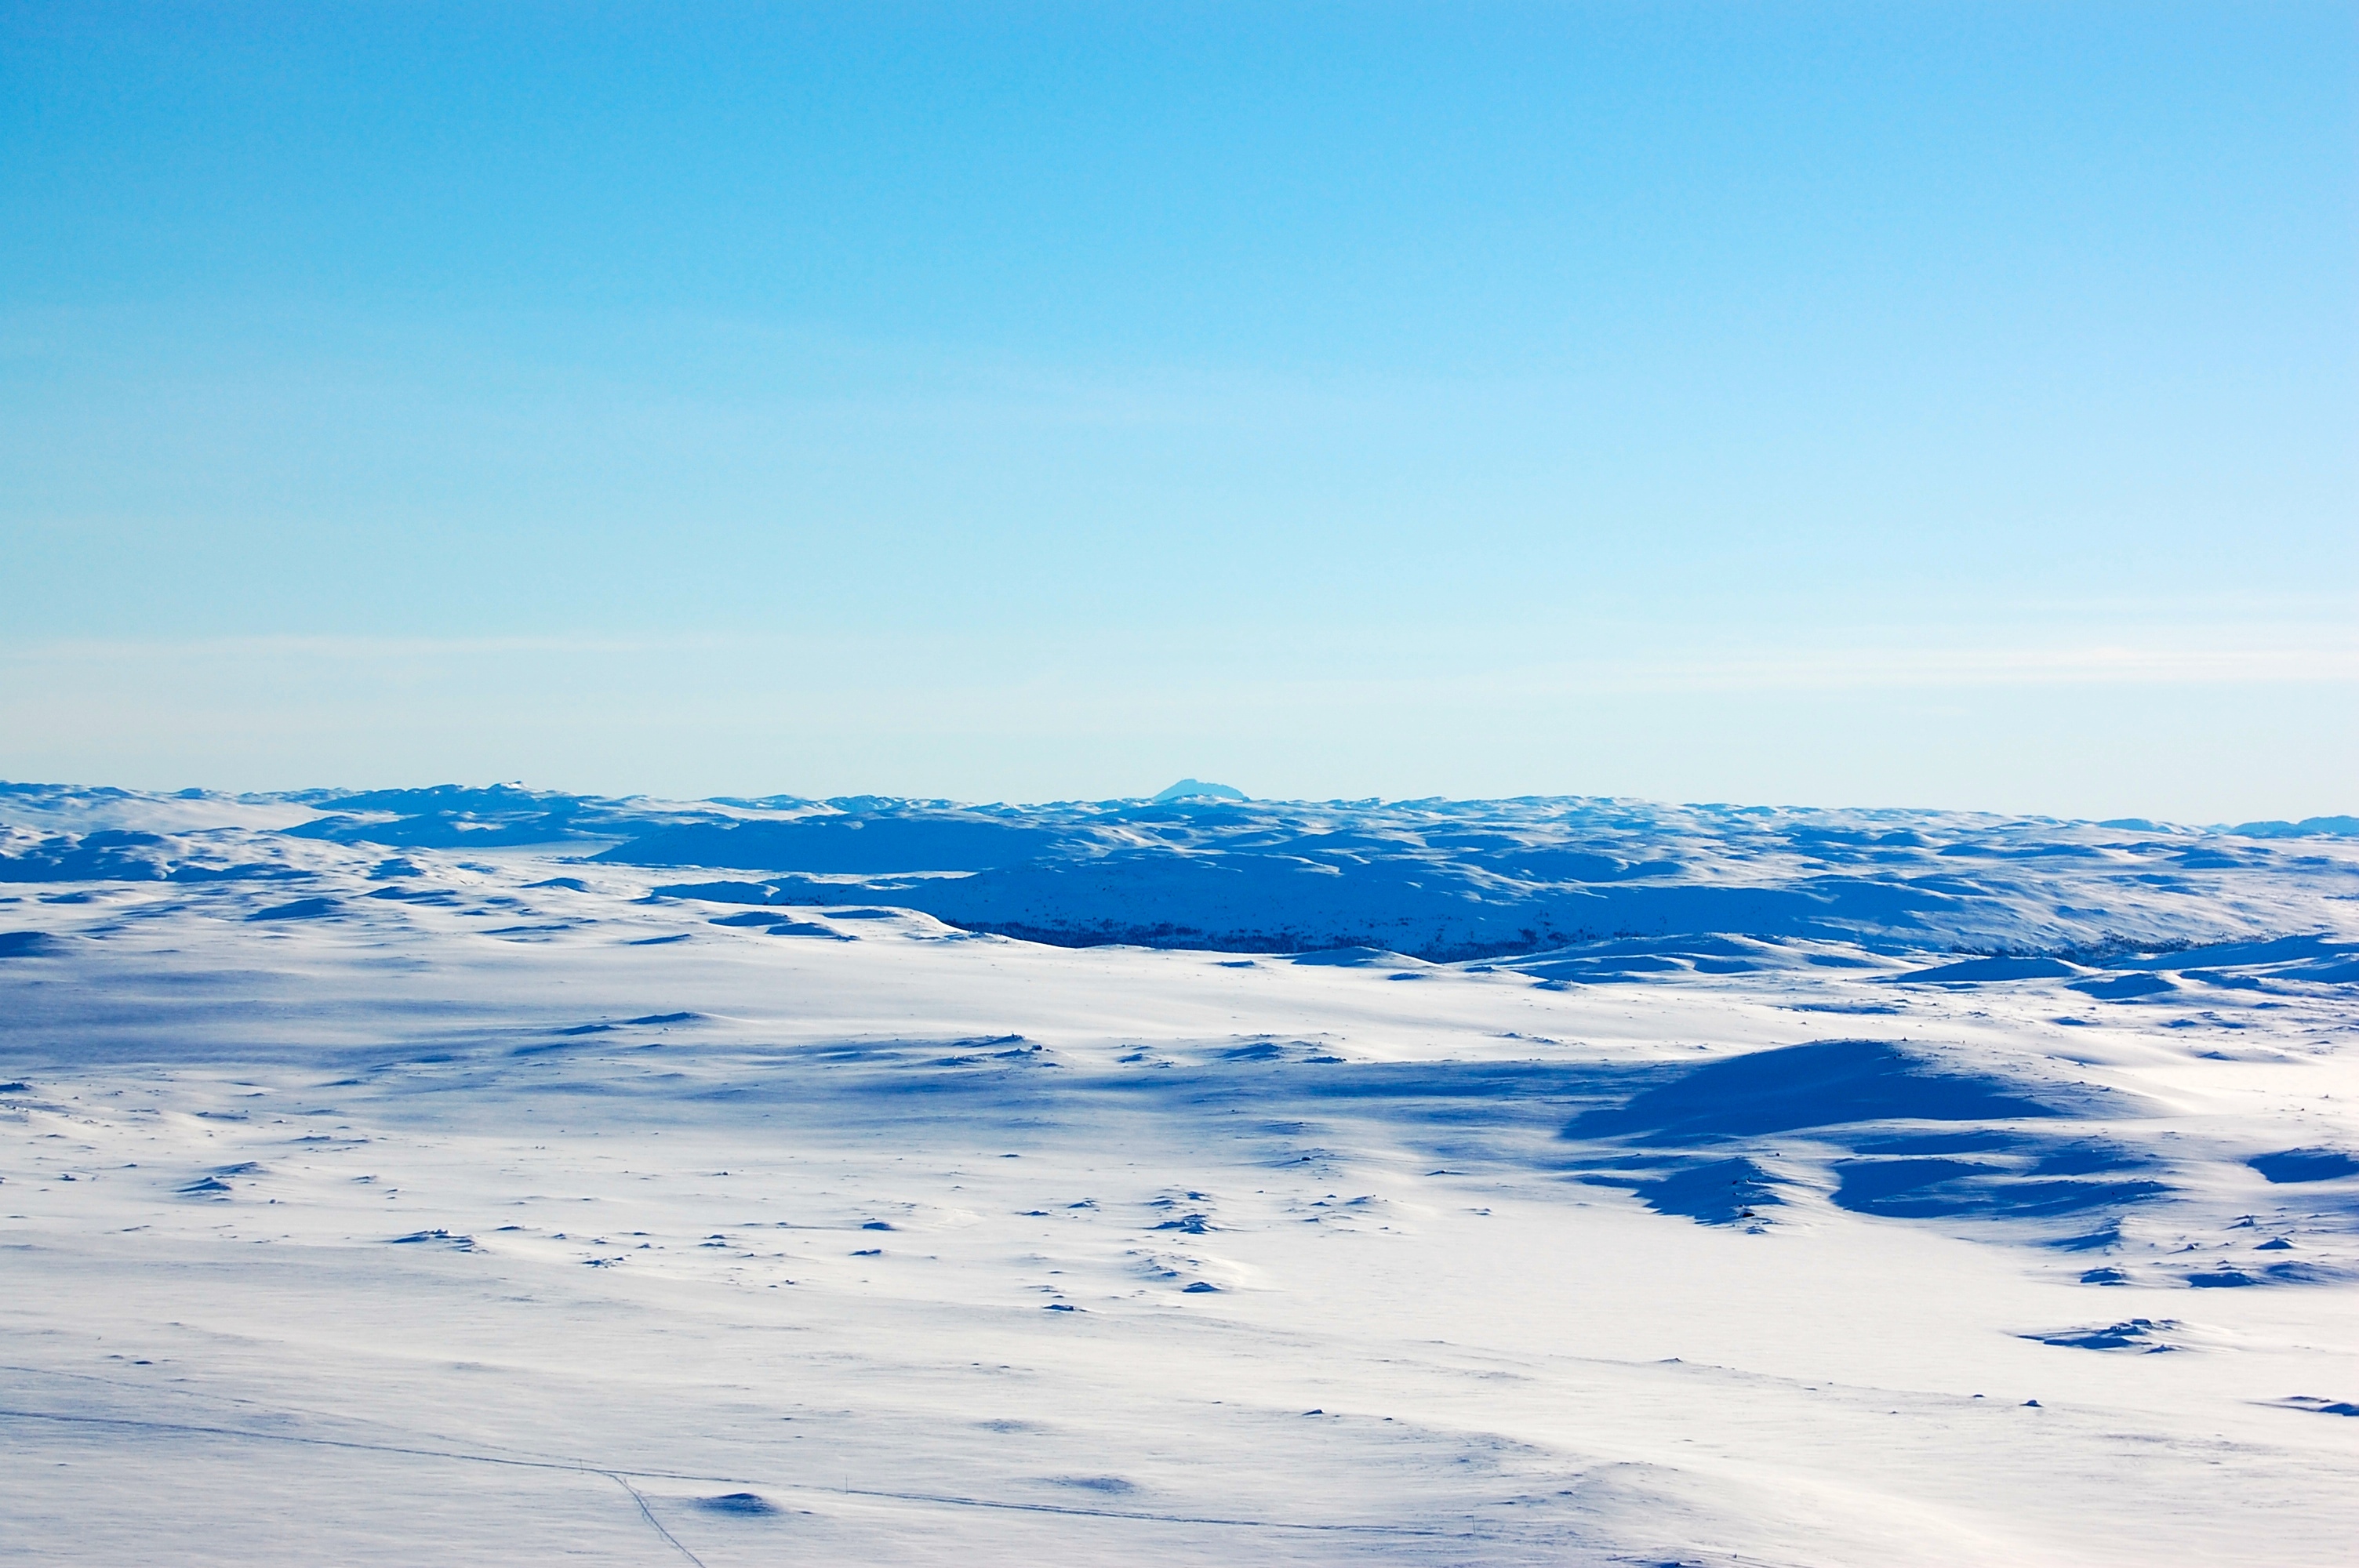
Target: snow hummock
x,y
413,1177
1197,789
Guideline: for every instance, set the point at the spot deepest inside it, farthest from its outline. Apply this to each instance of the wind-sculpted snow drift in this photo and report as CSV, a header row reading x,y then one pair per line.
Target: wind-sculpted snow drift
x,y
488,1176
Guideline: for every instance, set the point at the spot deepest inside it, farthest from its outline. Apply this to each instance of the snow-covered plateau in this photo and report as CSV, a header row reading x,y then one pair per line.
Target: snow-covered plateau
x,y
495,1176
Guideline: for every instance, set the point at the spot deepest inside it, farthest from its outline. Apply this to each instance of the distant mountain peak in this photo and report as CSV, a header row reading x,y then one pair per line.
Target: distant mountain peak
x,y
1197,789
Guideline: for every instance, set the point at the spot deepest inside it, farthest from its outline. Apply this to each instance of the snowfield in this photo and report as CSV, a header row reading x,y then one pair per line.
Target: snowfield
x,y
454,1177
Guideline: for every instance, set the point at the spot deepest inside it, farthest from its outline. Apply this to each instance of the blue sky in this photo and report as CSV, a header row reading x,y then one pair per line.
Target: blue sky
x,y
1926,405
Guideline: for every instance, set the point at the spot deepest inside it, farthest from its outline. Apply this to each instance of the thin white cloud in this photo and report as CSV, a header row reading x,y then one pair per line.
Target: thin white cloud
x,y
2328,659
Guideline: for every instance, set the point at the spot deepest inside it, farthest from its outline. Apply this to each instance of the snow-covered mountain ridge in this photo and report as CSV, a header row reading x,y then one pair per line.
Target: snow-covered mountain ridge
x,y
1439,880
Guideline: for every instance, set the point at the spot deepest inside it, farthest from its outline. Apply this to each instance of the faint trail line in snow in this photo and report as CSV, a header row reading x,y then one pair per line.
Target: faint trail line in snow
x,y
645,1512
575,1466
582,1468
649,1515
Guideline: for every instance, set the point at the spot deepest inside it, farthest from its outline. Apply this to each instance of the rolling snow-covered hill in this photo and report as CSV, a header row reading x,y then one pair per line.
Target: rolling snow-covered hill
x,y
486,1176
1437,879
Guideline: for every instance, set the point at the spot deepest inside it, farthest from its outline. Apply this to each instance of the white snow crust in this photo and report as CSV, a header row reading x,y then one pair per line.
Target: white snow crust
x,y
1843,1188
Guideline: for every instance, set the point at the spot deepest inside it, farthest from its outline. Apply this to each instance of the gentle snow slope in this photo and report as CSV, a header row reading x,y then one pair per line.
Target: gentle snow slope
x,y
463,1205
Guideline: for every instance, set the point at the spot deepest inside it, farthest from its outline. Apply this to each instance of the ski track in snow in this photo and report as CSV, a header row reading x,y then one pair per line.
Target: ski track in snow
x,y
482,1202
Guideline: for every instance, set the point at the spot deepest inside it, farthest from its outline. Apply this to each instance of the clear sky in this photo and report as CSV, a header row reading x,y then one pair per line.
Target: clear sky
x,y
1928,404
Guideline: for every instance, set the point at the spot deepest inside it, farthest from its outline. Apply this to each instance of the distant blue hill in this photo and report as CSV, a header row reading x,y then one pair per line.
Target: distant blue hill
x,y
870,844
1197,789
1201,866
1449,879
2308,827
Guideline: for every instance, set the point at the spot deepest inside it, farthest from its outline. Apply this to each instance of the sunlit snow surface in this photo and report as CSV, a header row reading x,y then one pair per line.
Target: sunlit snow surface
x,y
467,1200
